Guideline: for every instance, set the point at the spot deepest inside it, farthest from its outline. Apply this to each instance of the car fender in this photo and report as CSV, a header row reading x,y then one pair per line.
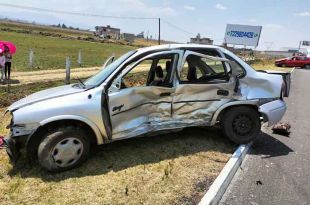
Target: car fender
x,y
94,127
233,103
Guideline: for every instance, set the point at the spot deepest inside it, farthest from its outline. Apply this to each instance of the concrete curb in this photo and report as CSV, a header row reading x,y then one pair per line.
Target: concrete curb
x,y
219,186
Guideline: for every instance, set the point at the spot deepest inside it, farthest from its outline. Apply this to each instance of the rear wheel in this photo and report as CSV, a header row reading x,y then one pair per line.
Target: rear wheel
x,y
307,66
63,149
283,65
241,124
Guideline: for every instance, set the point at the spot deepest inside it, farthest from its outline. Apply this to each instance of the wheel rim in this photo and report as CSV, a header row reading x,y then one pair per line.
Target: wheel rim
x,y
67,152
242,125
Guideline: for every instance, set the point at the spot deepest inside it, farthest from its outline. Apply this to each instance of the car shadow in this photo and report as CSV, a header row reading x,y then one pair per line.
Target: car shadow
x,y
268,146
11,82
133,152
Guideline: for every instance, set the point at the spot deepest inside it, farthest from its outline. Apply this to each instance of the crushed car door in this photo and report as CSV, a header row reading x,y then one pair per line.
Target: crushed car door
x,y
204,84
140,97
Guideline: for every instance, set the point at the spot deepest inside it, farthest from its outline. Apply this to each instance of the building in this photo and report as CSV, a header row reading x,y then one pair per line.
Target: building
x,y
129,37
140,35
108,32
199,40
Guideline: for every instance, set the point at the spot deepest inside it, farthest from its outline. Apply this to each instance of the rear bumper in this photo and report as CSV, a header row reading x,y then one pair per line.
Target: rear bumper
x,y
273,111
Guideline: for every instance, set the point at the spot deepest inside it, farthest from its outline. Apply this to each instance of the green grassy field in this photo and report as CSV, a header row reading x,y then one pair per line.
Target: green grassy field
x,y
50,52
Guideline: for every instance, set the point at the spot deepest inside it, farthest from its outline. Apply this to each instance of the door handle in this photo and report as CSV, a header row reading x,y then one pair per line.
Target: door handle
x,y
119,107
164,94
223,92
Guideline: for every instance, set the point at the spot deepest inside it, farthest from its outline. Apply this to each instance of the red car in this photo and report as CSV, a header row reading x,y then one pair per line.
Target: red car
x,y
296,61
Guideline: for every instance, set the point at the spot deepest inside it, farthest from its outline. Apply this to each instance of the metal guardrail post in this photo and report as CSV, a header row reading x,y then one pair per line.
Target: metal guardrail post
x,y
68,63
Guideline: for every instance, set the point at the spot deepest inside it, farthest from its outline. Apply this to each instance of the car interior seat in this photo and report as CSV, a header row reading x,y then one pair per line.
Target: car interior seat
x,y
192,74
159,75
168,71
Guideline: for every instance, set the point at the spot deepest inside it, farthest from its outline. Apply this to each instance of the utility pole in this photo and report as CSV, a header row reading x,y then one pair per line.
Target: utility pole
x,y
300,43
158,31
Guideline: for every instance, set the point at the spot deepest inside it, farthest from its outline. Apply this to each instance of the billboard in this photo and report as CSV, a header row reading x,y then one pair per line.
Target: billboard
x,y
242,34
306,43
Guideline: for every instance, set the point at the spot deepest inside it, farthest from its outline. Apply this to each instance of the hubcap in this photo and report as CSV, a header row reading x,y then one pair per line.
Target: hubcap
x,y
67,152
242,125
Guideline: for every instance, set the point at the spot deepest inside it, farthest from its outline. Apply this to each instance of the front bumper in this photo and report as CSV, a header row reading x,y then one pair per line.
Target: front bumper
x,y
12,148
273,111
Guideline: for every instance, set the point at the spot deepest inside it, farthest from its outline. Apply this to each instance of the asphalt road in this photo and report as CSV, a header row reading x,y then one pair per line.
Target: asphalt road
x,y
277,170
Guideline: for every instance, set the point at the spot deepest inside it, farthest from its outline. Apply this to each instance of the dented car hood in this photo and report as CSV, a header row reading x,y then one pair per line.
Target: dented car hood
x,y
45,95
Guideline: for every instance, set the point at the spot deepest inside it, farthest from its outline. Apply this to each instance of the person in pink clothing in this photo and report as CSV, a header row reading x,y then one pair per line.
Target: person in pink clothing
x,y
8,63
2,64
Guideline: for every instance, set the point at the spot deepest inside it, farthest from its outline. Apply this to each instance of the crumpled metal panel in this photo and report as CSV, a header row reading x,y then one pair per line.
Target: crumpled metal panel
x,y
143,110
199,101
261,85
140,106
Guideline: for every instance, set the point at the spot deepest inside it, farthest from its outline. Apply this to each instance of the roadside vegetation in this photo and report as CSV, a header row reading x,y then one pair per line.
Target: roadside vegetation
x,y
266,64
50,51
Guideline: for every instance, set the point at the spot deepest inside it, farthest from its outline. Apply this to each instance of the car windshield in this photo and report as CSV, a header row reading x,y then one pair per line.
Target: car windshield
x,y
107,71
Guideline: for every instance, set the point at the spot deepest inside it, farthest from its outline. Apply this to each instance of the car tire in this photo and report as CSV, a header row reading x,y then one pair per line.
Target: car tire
x,y
241,124
63,149
307,66
283,65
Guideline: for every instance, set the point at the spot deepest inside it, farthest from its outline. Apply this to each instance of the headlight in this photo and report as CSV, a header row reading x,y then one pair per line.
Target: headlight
x,y
23,129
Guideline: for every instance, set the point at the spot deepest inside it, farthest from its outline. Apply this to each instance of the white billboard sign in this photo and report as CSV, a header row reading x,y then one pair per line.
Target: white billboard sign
x,y
242,34
306,43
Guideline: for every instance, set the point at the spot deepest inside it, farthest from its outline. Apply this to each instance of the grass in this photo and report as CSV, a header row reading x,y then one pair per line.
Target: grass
x,y
173,168
22,27
266,64
50,52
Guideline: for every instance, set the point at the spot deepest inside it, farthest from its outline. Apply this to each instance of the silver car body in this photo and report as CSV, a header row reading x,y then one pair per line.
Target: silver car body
x,y
114,113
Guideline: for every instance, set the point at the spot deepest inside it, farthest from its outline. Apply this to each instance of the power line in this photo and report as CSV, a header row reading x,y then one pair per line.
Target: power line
x,y
76,13
177,27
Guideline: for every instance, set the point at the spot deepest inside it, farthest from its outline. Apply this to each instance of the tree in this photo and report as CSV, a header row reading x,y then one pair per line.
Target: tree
x,y
63,26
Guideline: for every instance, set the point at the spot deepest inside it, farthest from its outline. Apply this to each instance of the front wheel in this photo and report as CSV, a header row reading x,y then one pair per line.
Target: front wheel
x,y
307,66
241,124
63,149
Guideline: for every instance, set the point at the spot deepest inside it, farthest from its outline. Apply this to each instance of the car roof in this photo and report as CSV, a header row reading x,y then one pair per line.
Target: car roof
x,y
175,46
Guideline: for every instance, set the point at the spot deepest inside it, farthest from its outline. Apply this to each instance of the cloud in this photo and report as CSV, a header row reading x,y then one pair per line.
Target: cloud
x,y
252,20
273,26
306,13
136,7
220,7
190,8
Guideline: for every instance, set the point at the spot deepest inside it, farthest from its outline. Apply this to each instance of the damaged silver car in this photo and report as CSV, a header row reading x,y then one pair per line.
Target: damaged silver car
x,y
153,89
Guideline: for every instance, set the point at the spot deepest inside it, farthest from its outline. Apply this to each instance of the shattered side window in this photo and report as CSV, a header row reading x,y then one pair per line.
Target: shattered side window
x,y
236,68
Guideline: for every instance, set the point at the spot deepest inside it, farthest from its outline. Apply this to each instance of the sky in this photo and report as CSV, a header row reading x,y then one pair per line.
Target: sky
x,y
285,22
